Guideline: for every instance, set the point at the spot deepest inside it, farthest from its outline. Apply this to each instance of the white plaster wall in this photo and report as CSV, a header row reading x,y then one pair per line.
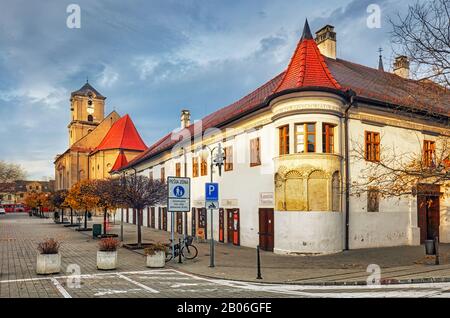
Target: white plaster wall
x,y
308,232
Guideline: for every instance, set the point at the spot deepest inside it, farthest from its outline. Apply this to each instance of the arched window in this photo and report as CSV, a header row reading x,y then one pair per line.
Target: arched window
x,y
295,196
317,191
336,192
90,118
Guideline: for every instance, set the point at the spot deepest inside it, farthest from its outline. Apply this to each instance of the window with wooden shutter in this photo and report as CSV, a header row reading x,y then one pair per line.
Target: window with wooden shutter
x,y
178,169
229,158
372,146
195,167
163,174
328,138
204,166
305,136
429,150
283,137
255,152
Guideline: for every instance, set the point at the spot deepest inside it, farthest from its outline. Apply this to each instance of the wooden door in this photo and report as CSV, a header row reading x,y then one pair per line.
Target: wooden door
x,y
179,222
266,229
428,212
164,219
152,213
159,218
148,217
221,225
193,222
202,230
134,216
229,226
233,227
128,215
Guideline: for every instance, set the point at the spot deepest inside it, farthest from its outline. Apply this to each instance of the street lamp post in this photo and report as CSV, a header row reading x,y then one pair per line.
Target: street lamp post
x,y
219,162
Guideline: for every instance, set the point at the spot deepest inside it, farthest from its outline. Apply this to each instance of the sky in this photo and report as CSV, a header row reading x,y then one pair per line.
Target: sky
x,y
153,58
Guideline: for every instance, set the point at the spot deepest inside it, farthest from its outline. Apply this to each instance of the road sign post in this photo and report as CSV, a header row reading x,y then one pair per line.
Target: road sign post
x,y
178,200
212,203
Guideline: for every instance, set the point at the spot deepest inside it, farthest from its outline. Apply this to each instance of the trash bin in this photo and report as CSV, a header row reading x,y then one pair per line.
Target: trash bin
x,y
430,249
96,230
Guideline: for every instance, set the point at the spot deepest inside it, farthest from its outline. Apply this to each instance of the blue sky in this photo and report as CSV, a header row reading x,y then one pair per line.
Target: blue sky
x,y
153,58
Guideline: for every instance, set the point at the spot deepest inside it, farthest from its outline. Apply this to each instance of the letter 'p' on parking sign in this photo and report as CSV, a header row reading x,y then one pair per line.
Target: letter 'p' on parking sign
x,y
212,191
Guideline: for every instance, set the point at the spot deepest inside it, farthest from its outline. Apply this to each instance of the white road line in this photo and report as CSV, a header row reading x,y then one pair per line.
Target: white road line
x,y
155,272
60,288
138,284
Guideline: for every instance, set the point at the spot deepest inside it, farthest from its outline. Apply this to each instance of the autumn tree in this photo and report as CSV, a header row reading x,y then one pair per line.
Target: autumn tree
x,y
139,192
58,199
38,201
81,197
108,193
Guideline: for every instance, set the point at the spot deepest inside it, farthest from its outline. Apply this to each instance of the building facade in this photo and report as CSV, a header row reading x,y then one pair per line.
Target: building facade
x,y
289,166
96,142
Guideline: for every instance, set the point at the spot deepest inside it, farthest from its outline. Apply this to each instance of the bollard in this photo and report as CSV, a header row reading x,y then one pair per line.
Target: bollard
x,y
436,249
258,262
179,252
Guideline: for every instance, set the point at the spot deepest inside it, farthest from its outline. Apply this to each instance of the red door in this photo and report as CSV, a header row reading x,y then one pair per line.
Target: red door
x,y
221,226
202,231
266,229
193,223
179,222
164,219
233,226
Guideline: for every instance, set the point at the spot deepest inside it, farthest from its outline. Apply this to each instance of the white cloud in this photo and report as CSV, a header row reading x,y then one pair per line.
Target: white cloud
x,y
108,76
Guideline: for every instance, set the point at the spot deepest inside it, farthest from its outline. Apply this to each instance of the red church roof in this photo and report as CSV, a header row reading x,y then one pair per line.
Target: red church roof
x,y
307,67
122,135
121,161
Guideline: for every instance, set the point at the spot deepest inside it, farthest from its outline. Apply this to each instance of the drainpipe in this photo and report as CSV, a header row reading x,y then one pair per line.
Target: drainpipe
x,y
351,95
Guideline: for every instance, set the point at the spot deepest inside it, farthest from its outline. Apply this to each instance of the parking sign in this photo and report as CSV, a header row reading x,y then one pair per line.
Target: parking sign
x,y
212,196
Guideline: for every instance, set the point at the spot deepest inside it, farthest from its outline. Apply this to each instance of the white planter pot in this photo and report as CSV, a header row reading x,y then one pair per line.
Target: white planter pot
x,y
106,260
48,263
157,260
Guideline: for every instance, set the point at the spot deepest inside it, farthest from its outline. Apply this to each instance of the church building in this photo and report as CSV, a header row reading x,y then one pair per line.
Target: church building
x,y
98,144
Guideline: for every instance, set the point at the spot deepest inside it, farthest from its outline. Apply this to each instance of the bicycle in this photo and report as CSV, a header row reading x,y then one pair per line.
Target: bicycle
x,y
188,251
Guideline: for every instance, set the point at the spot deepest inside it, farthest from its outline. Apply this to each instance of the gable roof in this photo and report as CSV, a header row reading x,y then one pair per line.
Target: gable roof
x,y
122,135
308,69
120,162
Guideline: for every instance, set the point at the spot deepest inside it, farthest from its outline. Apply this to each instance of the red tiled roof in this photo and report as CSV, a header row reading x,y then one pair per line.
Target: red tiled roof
x,y
307,67
122,135
121,161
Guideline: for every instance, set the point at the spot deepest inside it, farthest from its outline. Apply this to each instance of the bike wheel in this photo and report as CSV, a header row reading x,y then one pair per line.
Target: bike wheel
x,y
189,252
168,256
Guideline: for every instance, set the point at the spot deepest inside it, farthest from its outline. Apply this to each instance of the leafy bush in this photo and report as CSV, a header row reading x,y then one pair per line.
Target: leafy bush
x,y
49,246
151,250
108,244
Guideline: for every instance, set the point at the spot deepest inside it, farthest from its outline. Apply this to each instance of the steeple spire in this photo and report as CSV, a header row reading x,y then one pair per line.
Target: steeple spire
x,y
307,35
380,61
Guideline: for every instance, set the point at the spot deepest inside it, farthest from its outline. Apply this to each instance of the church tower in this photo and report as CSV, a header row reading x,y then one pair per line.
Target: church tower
x,y
87,110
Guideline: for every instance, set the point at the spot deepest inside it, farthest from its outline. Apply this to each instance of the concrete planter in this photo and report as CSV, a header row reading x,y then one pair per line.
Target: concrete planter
x,y
106,260
157,260
48,264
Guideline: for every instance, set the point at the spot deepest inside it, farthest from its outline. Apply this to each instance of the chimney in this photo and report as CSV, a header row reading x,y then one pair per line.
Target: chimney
x,y
185,118
326,41
401,66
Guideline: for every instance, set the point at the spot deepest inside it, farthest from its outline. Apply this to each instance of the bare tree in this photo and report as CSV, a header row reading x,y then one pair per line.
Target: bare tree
x,y
108,192
140,192
423,34
400,173
9,173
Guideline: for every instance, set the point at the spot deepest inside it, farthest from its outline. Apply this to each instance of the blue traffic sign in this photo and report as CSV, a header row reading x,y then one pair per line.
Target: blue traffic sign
x,y
212,192
178,191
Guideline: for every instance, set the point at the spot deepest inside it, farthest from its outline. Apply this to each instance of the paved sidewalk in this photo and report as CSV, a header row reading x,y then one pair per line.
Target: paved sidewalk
x,y
406,264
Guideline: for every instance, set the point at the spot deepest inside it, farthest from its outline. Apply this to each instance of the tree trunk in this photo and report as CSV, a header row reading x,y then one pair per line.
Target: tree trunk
x,y
85,218
139,233
62,215
71,216
105,212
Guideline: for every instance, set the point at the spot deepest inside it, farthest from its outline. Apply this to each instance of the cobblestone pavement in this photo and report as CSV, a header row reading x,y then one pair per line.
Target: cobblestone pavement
x,y
20,234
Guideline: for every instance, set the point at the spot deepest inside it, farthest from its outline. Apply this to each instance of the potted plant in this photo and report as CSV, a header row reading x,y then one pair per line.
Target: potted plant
x,y
48,258
156,255
107,254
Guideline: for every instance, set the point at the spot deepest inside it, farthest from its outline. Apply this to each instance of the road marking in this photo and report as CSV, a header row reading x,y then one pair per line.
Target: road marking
x,y
60,288
151,290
